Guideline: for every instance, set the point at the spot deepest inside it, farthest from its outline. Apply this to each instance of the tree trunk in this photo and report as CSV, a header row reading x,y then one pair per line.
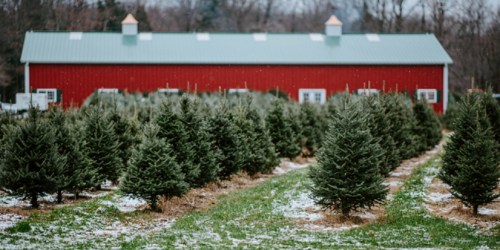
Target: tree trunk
x,y
77,195
475,209
154,205
34,200
59,196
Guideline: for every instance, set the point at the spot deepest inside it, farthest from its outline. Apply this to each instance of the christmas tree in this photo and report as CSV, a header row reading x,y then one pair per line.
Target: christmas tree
x,y
471,163
30,164
380,130
428,128
127,133
281,131
152,170
102,145
311,127
224,136
347,176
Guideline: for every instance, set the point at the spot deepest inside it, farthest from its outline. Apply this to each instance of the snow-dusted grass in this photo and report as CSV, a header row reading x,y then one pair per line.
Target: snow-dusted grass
x,y
263,217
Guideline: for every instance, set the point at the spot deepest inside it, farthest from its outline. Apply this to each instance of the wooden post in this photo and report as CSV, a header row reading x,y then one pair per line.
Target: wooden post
x,y
195,88
187,87
383,86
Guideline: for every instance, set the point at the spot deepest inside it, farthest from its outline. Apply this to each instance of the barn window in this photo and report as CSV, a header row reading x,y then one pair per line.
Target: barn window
x,y
108,91
312,95
237,91
161,90
430,95
368,91
51,94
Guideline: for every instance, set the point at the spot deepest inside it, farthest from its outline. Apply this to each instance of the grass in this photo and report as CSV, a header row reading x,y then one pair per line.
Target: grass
x,y
253,218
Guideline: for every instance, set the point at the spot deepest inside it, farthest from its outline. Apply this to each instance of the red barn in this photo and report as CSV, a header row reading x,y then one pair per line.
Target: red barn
x,y
69,66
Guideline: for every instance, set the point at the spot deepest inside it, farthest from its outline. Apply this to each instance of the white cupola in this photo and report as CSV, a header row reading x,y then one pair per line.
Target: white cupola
x,y
333,27
129,25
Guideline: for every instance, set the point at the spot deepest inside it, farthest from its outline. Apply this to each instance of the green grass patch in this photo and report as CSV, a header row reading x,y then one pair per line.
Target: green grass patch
x,y
257,218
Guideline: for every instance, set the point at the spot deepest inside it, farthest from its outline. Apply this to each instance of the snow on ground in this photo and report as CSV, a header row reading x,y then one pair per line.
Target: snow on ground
x,y
22,201
299,206
9,220
125,203
438,197
486,211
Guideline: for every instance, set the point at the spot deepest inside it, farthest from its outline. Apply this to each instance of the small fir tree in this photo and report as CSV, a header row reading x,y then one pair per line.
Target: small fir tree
x,y
281,131
223,132
347,176
127,133
76,173
311,127
380,130
172,130
102,145
471,163
428,128
492,107
30,164
153,171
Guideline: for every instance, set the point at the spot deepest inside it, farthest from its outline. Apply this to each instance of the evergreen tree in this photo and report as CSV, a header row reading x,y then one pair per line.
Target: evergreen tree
x,y
153,171
172,130
257,151
30,164
401,123
76,174
223,132
102,145
380,130
347,176
199,140
311,127
427,127
471,163
281,131
493,112
126,132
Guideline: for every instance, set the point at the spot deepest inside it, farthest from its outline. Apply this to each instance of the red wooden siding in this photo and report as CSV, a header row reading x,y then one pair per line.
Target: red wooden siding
x,y
77,82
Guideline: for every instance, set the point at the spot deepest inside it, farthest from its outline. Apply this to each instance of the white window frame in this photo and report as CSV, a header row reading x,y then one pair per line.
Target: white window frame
x,y
311,95
164,90
108,91
47,91
426,93
237,91
368,91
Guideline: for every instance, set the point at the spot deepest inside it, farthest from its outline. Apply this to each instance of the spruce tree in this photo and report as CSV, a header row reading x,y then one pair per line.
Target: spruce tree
x,y
347,176
153,170
102,145
172,130
311,127
76,174
199,140
281,131
380,130
30,164
127,133
428,128
471,163
492,107
223,132
401,123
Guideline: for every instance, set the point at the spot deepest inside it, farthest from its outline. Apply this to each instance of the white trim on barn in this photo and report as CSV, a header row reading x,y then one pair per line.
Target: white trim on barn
x,y
445,88
27,77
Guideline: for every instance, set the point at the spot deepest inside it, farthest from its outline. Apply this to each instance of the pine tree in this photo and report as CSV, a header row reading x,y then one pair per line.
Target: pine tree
x,y
126,132
380,130
493,112
30,164
281,132
347,176
401,123
153,171
257,151
471,163
428,128
199,140
102,145
311,127
76,174
172,130
223,132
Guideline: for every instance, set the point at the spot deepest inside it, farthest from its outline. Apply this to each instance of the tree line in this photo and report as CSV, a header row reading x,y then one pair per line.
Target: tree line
x,y
468,30
186,141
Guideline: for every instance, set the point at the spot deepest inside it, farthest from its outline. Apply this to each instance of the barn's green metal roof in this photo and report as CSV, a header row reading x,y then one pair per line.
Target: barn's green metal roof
x,y
242,48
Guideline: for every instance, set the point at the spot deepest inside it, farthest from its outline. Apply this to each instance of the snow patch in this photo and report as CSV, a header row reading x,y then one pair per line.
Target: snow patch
x,y
124,203
392,183
278,171
438,197
486,211
299,206
22,201
9,220
293,165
